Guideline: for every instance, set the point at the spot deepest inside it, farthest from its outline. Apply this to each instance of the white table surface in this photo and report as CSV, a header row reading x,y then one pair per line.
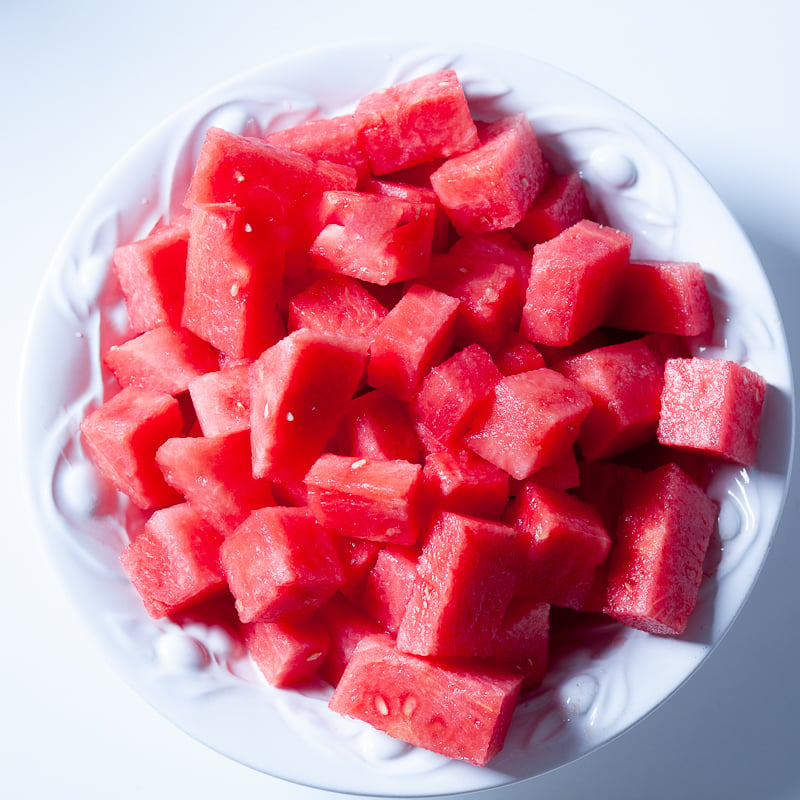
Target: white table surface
x,y
81,82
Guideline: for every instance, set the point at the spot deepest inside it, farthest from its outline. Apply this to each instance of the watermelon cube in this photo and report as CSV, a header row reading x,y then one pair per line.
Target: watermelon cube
x,y
299,391
516,354
564,541
347,624
656,562
561,203
151,273
662,297
366,499
712,406
529,422
522,642
377,426
497,247
465,579
562,474
280,565
164,359
573,281
417,121
326,139
357,557
121,438
414,336
491,187
214,474
389,584
173,562
374,238
625,382
287,653
463,482
337,304
234,271
450,394
221,400
456,710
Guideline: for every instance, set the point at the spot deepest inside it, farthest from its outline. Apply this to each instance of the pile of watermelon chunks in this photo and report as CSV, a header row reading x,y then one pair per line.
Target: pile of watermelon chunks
x,y
393,395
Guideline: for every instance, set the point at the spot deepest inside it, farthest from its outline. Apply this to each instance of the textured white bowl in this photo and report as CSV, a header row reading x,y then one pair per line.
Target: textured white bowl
x,y
600,683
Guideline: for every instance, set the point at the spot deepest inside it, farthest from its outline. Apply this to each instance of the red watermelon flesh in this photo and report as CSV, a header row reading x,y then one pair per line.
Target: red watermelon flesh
x,y
417,121
465,579
662,297
151,273
174,562
497,247
299,391
562,474
121,438
573,280
413,337
449,708
656,562
564,541
529,421
389,584
522,642
366,499
373,237
357,557
712,406
491,187
450,394
214,474
164,359
221,400
287,653
625,382
280,565
516,354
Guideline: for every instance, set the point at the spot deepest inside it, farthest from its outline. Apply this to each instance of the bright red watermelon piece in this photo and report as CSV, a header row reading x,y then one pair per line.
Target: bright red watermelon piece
x,y
491,187
280,565
417,121
497,247
214,474
173,562
287,653
529,421
326,139
233,279
564,542
522,642
516,354
164,359
366,499
357,557
561,203
454,710
151,273
563,473
625,382
573,280
221,400
300,389
389,584
121,437
712,406
656,562
450,394
662,297
465,579
373,237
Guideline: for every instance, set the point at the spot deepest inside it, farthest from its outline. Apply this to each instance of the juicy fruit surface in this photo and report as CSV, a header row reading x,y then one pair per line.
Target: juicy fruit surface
x,y
394,397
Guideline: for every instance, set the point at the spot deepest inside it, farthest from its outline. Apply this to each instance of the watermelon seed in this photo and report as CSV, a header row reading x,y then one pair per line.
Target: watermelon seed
x,y
409,706
248,228
358,464
289,416
380,705
238,176
315,656
235,289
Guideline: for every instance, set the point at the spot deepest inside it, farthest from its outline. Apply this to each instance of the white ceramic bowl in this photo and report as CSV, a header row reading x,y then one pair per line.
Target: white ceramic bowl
x,y
600,684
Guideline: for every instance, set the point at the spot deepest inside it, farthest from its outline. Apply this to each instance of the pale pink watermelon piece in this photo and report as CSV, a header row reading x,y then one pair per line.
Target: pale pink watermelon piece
x,y
491,187
465,579
573,280
378,500
656,562
416,121
173,562
458,711
662,297
280,565
712,406
529,422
